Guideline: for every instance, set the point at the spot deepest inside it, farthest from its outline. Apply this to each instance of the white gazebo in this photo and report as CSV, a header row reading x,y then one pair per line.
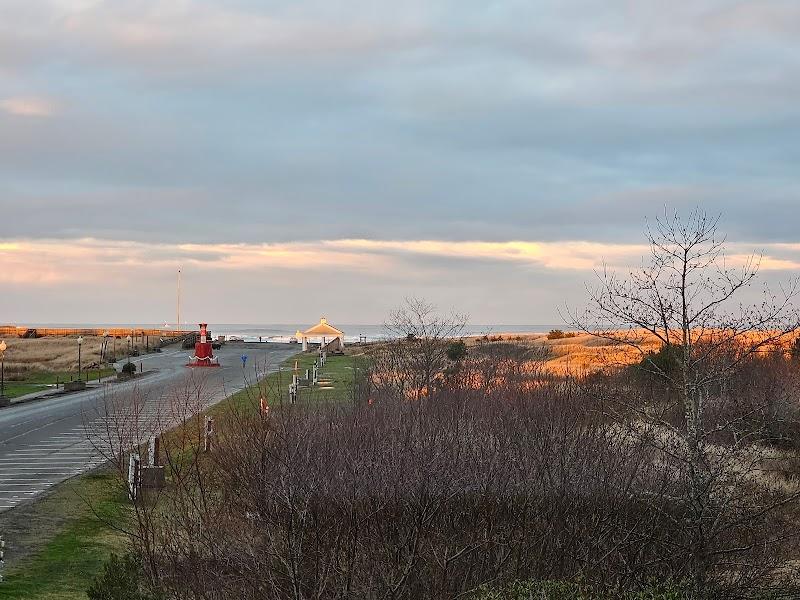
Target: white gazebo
x,y
323,331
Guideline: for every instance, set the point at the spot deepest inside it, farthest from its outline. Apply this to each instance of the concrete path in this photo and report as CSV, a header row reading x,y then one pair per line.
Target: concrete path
x,y
45,441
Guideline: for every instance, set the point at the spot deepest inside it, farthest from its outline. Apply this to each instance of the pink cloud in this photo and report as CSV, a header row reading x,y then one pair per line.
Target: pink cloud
x,y
28,107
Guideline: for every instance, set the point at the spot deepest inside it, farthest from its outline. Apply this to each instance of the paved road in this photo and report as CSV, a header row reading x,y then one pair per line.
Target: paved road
x,y
47,441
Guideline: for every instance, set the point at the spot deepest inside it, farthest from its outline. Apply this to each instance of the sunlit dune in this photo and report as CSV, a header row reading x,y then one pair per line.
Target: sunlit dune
x,y
583,353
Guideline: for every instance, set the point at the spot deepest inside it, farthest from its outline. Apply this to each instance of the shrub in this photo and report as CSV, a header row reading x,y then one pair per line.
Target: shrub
x,y
568,590
503,476
456,351
667,361
122,579
558,334
129,368
535,590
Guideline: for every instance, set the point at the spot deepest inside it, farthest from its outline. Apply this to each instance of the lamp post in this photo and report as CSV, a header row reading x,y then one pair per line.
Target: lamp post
x,y
103,356
2,369
129,348
80,343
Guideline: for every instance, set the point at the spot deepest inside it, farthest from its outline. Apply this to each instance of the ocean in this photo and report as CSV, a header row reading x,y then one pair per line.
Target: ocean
x,y
282,332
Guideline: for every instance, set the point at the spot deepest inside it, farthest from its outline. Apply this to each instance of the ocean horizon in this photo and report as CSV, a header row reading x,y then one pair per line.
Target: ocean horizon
x,y
282,332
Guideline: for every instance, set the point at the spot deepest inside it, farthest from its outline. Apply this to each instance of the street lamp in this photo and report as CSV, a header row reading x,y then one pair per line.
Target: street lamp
x,y
2,369
80,343
103,356
129,348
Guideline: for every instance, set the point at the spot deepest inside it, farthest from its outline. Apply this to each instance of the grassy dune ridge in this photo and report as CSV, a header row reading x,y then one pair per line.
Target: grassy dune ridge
x,y
584,353
581,354
51,355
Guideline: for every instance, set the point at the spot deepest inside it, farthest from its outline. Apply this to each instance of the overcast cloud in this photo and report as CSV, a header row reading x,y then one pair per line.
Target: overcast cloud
x,y
418,129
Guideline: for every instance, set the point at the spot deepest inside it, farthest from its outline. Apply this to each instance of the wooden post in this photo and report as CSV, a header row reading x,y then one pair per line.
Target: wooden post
x,y
209,434
153,454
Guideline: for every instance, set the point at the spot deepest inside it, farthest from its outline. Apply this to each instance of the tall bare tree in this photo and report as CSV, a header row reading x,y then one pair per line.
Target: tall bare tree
x,y
688,297
412,362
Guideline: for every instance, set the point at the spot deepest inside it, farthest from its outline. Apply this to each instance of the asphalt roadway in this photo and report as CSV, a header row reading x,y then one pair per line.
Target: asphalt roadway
x,y
46,441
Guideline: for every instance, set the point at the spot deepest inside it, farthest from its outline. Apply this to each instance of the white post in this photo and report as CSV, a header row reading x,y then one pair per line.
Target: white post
x,y
305,344
133,475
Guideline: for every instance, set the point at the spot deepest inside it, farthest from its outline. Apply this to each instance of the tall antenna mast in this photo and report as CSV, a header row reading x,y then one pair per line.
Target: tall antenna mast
x,y
178,322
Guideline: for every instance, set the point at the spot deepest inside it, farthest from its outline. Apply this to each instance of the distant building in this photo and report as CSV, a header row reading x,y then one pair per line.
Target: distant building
x,y
330,337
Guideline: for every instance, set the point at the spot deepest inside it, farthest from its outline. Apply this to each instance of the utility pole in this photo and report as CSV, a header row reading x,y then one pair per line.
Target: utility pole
x,y
80,343
3,371
178,323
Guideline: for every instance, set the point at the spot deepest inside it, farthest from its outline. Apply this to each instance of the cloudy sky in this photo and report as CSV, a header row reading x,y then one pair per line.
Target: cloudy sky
x,y
315,156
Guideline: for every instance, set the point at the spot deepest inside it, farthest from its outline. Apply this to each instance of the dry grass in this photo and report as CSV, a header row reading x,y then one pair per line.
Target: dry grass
x,y
51,355
581,354
585,354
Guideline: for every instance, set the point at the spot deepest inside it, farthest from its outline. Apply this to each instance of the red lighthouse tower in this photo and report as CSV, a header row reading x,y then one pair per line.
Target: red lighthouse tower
x,y
203,352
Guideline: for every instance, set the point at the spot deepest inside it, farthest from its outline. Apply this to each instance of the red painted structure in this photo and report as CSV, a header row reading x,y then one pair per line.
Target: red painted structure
x,y
203,352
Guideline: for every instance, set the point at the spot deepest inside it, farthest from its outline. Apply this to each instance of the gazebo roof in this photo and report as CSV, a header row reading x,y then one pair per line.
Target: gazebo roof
x,y
322,329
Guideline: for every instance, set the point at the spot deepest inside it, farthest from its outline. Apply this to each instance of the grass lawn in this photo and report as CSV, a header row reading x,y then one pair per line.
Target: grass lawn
x,y
36,381
77,521
336,382
65,544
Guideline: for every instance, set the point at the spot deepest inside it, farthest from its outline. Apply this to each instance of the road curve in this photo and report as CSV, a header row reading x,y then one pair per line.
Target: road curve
x,y
47,441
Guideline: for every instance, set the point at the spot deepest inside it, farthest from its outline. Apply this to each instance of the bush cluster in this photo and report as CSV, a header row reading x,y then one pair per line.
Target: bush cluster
x,y
558,334
498,476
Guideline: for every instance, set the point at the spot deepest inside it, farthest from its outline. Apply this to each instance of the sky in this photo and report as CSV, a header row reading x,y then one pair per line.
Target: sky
x,y
303,158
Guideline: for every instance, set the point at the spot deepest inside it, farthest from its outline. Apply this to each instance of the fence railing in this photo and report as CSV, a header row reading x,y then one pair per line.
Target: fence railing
x,y
118,332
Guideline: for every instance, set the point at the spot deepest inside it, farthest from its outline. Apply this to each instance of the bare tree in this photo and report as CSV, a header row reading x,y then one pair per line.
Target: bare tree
x,y
412,362
688,298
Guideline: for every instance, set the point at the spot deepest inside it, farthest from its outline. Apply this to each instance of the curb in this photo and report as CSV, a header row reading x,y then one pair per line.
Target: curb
x,y
58,394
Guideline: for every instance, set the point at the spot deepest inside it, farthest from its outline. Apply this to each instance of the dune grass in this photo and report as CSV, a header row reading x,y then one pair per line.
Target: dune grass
x,y
578,354
59,354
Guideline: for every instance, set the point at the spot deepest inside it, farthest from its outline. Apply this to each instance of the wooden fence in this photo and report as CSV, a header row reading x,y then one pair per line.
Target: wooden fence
x,y
118,332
